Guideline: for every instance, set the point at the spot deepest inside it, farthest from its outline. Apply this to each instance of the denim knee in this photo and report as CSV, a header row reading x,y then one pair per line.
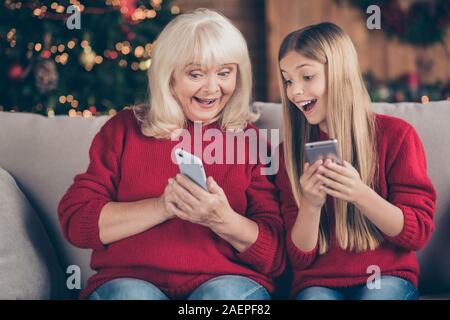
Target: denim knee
x,y
127,289
230,287
390,288
319,293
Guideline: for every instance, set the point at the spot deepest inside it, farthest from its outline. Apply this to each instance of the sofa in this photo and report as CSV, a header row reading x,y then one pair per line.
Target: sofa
x,y
39,157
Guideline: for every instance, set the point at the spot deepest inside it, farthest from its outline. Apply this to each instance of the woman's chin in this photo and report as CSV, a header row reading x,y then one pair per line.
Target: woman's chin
x,y
205,116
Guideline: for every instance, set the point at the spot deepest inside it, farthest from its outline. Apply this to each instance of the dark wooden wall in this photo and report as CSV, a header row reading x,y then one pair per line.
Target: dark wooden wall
x,y
249,17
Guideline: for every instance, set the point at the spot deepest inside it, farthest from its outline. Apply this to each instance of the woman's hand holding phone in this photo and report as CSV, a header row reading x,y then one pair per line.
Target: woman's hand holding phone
x,y
188,201
310,185
166,198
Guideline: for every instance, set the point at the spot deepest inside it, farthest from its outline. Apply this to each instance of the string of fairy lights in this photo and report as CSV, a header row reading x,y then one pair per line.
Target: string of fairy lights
x,y
62,52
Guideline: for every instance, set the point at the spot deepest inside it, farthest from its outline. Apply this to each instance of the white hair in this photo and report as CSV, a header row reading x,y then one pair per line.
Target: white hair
x,y
202,37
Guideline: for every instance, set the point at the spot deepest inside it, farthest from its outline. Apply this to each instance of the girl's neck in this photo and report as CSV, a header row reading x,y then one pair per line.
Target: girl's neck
x,y
323,127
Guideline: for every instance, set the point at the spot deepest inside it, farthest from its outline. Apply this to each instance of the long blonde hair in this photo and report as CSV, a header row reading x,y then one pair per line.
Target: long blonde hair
x,y
202,37
349,120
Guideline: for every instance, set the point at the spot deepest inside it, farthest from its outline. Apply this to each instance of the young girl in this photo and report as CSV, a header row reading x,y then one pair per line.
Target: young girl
x,y
351,228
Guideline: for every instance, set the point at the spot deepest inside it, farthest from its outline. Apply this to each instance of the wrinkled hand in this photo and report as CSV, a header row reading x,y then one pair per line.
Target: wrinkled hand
x,y
190,202
341,181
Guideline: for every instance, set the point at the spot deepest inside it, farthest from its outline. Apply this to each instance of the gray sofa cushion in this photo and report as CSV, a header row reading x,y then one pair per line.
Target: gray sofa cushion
x,y
28,264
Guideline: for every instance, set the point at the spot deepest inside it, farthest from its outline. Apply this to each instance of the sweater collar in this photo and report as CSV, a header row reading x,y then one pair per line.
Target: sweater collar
x,y
323,135
190,125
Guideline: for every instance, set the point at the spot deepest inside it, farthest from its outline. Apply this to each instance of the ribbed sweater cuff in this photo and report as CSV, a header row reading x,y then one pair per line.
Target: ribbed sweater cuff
x,y
86,224
406,236
262,251
299,259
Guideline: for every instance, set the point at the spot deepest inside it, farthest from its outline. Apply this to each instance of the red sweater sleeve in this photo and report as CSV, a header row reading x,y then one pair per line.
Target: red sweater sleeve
x,y
299,259
411,190
80,207
267,253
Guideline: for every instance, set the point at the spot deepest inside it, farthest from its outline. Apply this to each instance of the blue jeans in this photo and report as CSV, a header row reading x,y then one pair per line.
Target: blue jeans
x,y
228,287
391,288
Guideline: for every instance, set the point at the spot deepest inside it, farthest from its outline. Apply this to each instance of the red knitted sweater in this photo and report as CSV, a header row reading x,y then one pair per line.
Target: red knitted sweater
x,y
176,256
403,181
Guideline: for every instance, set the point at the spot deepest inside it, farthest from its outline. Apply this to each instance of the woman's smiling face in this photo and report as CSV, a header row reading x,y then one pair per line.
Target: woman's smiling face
x,y
305,84
203,92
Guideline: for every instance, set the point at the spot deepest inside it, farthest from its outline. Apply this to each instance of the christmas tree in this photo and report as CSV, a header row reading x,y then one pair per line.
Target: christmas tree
x,y
69,57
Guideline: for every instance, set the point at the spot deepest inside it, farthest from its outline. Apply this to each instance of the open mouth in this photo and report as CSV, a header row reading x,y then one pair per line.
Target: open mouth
x,y
205,102
308,106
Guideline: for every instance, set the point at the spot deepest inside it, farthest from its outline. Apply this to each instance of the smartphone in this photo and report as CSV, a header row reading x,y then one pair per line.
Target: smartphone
x,y
191,166
323,150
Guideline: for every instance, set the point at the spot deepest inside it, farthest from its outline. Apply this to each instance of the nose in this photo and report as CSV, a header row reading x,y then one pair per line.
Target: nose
x,y
212,85
297,89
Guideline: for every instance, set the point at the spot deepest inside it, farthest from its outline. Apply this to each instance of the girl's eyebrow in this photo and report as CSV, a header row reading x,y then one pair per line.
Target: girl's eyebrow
x,y
300,66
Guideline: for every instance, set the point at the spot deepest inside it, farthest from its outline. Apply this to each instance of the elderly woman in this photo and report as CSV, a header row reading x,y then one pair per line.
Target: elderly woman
x,y
155,234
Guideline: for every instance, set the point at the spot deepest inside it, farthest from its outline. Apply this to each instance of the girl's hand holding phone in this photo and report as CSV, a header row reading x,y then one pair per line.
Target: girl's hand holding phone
x,y
310,185
341,181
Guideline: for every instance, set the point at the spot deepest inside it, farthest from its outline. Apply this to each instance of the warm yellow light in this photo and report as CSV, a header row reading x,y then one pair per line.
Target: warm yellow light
x,y
72,113
139,51
123,63
60,9
112,112
87,114
62,99
156,3
151,14
144,65
98,59
126,50
64,58
71,44
148,48
134,66
54,5
175,10
425,99
38,47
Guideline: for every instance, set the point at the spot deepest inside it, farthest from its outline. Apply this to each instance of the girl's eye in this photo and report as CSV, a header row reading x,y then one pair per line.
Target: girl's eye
x,y
224,73
287,83
308,78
